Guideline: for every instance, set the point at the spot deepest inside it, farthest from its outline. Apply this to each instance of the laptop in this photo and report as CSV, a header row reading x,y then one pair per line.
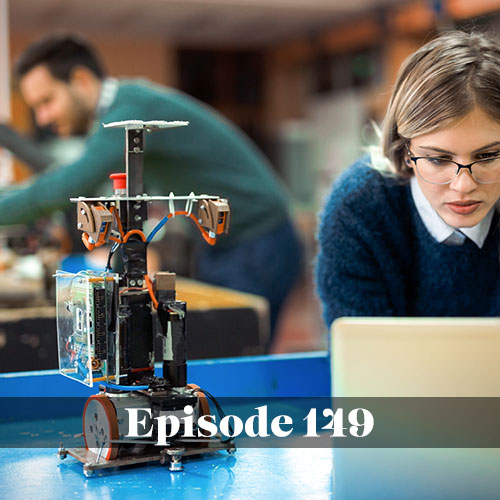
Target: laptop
x,y
416,357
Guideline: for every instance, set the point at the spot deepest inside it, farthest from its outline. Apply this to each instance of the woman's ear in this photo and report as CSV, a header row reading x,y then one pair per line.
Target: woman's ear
x,y
407,160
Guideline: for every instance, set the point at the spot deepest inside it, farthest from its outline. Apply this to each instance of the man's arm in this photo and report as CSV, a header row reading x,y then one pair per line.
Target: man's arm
x,y
103,152
25,149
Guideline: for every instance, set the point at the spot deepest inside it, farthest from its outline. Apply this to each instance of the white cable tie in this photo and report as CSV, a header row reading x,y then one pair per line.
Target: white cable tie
x,y
189,203
171,204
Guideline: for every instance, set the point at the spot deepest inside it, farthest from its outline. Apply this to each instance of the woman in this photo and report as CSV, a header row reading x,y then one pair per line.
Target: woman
x,y
417,234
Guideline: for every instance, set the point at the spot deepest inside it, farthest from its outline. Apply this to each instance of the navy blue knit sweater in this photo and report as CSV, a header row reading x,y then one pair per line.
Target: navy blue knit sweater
x,y
377,258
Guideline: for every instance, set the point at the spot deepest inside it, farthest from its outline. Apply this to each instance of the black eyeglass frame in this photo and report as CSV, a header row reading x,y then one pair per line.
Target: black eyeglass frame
x,y
459,167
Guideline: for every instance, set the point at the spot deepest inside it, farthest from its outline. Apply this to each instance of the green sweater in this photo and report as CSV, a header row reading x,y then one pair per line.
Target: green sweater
x,y
210,156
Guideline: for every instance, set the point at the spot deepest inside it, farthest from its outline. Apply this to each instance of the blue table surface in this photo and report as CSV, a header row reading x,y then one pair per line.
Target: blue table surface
x,y
256,473
250,473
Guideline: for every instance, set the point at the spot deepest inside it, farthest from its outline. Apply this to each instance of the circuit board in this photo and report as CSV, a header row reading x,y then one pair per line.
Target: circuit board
x,y
85,325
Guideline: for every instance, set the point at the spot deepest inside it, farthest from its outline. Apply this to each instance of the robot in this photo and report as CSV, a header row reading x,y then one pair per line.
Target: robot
x,y
107,321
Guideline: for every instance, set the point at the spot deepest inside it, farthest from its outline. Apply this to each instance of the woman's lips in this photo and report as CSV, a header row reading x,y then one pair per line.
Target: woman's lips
x,y
463,207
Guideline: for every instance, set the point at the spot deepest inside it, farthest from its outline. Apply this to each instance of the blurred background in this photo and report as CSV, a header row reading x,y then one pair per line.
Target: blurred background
x,y
305,80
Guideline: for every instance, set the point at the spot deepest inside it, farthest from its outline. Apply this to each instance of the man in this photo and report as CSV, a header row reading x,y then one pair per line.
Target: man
x,y
62,80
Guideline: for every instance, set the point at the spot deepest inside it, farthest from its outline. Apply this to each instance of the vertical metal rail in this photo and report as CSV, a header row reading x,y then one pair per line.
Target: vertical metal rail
x,y
138,326
135,161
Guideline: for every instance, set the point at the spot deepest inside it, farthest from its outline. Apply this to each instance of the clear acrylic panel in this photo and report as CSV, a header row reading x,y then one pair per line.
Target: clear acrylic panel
x,y
84,321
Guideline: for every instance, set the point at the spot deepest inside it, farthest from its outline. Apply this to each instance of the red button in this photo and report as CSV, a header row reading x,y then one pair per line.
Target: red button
x,y
119,181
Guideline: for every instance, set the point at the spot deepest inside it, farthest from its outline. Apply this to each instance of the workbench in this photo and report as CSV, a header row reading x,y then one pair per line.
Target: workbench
x,y
257,473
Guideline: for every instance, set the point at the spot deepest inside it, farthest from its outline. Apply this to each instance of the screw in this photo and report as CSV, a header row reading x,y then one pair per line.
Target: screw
x,y
176,465
132,282
87,472
139,282
137,149
79,225
136,140
137,218
176,456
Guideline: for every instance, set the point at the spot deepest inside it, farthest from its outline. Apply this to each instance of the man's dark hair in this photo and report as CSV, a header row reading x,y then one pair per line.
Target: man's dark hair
x,y
61,54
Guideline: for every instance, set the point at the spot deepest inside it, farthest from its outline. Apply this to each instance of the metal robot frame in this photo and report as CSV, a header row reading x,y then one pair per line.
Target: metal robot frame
x,y
107,321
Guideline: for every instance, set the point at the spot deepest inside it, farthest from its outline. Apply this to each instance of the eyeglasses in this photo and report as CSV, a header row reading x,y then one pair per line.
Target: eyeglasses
x,y
438,170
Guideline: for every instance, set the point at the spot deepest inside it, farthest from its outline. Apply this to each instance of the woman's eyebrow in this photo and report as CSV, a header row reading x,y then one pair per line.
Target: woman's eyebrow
x,y
440,150
496,143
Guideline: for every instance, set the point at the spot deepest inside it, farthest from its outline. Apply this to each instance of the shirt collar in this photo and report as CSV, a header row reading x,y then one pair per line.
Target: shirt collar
x,y
438,228
109,88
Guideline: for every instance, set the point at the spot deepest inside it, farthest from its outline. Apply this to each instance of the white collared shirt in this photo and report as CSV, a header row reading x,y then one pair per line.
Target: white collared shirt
x,y
109,88
440,230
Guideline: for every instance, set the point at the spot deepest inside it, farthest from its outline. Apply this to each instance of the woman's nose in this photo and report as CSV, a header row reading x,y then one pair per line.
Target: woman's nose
x,y
463,182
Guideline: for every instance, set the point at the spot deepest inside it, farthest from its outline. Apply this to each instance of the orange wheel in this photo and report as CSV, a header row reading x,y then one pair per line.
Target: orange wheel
x,y
100,426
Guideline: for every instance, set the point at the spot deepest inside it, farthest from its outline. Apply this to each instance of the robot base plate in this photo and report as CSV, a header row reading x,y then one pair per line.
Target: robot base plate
x,y
171,455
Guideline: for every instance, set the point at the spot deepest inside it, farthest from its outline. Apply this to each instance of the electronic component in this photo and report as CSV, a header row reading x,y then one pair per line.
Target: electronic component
x,y
85,305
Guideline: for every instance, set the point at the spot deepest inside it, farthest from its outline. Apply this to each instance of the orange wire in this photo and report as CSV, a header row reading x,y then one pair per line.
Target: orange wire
x,y
149,284
125,238
147,279
134,231
203,231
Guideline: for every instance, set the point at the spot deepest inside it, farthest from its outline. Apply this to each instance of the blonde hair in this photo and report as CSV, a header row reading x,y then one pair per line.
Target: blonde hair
x,y
438,84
